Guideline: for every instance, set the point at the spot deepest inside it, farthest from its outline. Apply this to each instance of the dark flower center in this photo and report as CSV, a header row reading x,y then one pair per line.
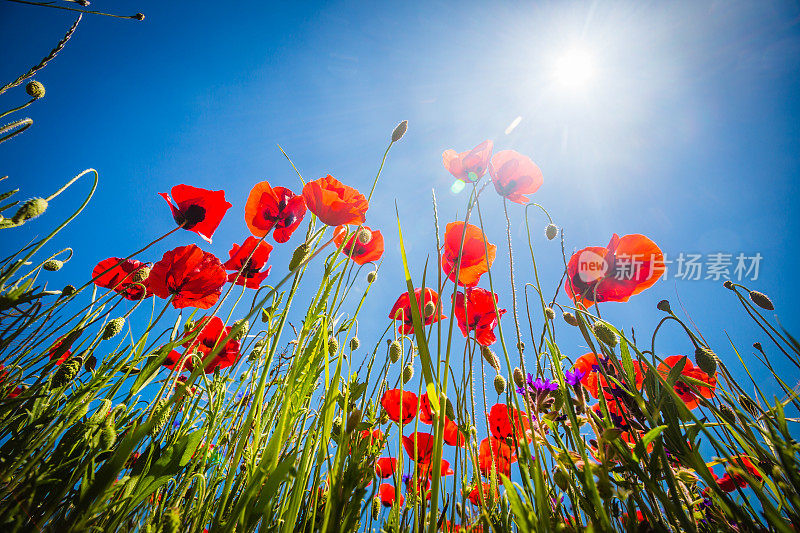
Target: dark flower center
x,y
191,216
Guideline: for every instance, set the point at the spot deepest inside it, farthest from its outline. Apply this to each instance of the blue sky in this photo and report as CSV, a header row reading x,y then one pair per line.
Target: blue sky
x,y
688,131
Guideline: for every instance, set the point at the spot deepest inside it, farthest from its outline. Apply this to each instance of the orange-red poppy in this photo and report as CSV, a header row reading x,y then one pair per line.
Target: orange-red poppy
x,y
386,493
627,266
469,166
419,446
475,495
594,380
335,203
684,389
358,251
500,424
273,208
375,436
401,310
425,412
57,348
452,435
385,467
476,256
210,333
399,407
444,469
514,175
193,278
197,210
476,312
118,274
249,258
497,451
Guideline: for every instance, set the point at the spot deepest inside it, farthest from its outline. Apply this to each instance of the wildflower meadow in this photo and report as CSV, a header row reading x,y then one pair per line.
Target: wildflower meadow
x,y
208,387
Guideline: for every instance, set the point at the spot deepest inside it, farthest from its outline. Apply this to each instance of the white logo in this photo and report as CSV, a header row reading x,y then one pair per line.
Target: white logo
x,y
591,266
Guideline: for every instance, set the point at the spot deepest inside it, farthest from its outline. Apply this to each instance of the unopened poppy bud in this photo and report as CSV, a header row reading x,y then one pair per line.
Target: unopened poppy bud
x,y
189,326
35,89
299,255
549,313
399,131
29,210
108,435
336,428
605,334
757,346
364,236
353,420
519,379
687,476
499,384
728,284
561,479
172,518
706,360
490,358
140,274
569,318
333,345
113,327
376,508
430,309
762,300
69,290
161,421
384,417
551,231
395,351
663,305
727,414
139,16
53,265
354,344
66,372
459,509
408,373
239,335
372,276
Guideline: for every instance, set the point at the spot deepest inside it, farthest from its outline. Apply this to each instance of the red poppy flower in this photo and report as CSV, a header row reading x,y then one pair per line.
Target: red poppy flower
x,y
385,467
198,210
401,310
475,312
425,413
194,277
118,274
475,494
258,253
419,485
424,447
475,261
392,401
273,207
627,266
449,527
374,436
514,175
358,251
53,353
335,203
594,380
387,493
452,435
495,451
210,332
468,166
444,469
732,478
684,390
500,416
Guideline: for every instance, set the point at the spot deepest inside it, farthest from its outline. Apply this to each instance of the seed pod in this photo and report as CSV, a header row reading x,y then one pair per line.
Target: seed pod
x,y
490,357
29,210
551,231
430,309
399,131
66,372
757,346
53,265
140,274
300,254
706,360
762,300
333,345
605,334
354,344
372,276
570,319
113,327
549,313
408,373
353,420
663,305
69,290
499,384
35,89
364,236
519,379
561,479
243,331
727,414
395,351
108,434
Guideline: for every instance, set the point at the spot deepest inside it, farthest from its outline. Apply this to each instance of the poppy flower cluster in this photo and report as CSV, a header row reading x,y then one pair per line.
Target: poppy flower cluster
x,y
401,310
209,333
689,392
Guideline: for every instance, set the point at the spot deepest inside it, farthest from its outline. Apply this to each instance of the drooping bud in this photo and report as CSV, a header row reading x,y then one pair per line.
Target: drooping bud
x,y
299,255
35,89
333,345
490,358
354,344
561,478
706,359
353,420
663,305
727,414
395,351
551,231
113,327
139,16
29,210
570,319
728,284
66,372
499,384
364,236
762,300
430,309
549,313
408,373
757,346
69,290
53,265
140,274
605,334
239,335
399,131
372,276
519,378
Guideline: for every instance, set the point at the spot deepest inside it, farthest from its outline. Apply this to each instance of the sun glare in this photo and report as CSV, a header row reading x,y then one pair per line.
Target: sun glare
x,y
575,69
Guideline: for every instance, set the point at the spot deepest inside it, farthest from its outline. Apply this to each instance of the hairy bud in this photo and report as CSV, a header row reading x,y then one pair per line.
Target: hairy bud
x,y
408,373
570,319
430,309
29,210
519,378
399,131
499,384
605,334
549,313
243,331
551,231
663,305
113,327
35,89
395,351
353,420
727,414
706,360
66,372
300,254
372,276
354,344
140,274
53,265
333,345
490,358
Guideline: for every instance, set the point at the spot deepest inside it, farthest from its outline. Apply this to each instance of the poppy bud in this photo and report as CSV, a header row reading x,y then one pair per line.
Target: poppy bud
x,y
333,345
376,508
384,417
140,274
69,290
762,300
728,284
430,309
139,16
35,89
561,479
549,313
364,236
459,509
727,414
53,265
239,335
66,372
605,334
90,364
551,231
336,428
162,419
706,360
490,358
189,326
663,305
372,276
354,344
172,518
408,373
265,314
395,351
604,488
757,346
353,420
519,379
686,476
108,435
570,319
113,327
29,210
299,255
399,131
499,384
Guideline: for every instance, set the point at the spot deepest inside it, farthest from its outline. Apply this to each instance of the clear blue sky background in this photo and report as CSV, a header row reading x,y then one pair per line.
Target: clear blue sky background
x,y
689,131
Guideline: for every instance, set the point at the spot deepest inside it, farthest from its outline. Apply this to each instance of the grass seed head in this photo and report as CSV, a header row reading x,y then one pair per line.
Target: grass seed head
x,y
35,89
53,265
29,210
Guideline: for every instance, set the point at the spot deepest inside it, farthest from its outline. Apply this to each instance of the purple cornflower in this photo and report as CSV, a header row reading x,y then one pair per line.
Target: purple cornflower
x,y
544,386
574,377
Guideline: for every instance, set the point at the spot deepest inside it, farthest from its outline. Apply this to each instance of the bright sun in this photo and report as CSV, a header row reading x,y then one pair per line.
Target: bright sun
x,y
575,68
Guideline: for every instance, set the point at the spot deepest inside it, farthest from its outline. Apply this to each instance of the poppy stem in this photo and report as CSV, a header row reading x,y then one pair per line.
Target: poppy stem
x,y
374,183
